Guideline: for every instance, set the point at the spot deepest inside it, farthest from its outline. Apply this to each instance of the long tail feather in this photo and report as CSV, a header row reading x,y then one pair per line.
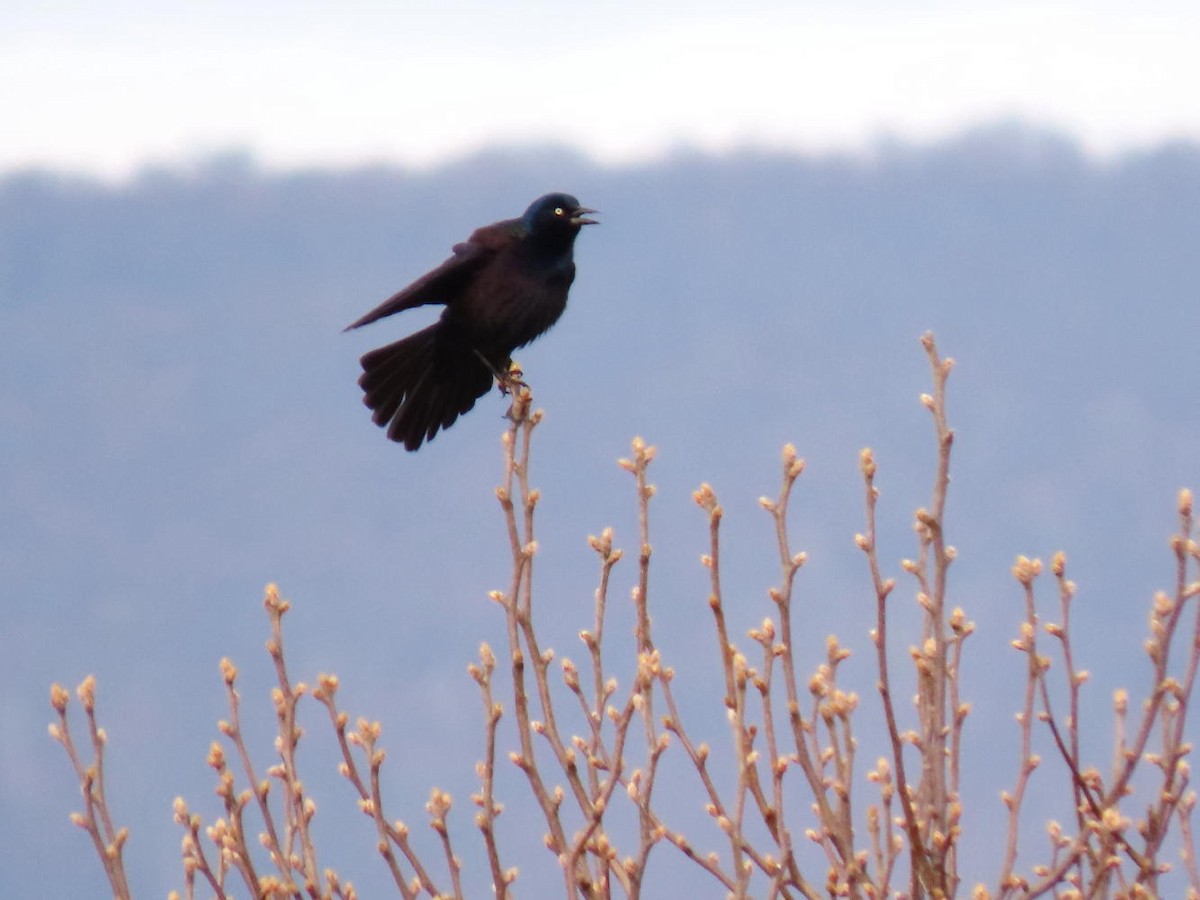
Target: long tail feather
x,y
422,384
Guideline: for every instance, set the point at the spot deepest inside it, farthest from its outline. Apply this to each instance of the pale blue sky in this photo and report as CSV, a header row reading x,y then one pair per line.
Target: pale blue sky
x,y
104,88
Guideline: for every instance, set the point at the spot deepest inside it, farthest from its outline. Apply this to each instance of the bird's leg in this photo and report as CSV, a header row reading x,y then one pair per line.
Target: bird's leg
x,y
513,378
508,380
511,383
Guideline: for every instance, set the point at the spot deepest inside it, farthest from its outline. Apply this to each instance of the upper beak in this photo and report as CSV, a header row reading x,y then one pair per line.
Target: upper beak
x,y
579,216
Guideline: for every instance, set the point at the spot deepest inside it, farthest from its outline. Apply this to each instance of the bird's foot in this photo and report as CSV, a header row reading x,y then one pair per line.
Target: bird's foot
x,y
512,384
512,380
508,380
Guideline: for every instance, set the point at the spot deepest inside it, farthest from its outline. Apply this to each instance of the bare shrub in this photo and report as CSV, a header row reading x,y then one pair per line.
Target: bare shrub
x,y
591,743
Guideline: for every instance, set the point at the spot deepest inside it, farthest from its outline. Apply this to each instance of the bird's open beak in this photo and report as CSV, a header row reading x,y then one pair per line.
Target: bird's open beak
x,y
579,216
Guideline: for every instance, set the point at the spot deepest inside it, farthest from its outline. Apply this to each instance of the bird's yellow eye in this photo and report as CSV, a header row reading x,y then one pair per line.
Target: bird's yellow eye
x,y
558,210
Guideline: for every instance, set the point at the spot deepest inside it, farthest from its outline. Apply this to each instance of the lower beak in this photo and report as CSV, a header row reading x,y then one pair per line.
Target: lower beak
x,y
579,217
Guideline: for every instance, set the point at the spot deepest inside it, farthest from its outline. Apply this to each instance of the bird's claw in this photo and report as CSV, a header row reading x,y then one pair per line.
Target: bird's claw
x,y
508,380
512,380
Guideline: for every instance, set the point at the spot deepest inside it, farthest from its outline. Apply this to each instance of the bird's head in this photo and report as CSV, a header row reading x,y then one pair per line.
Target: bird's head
x,y
557,214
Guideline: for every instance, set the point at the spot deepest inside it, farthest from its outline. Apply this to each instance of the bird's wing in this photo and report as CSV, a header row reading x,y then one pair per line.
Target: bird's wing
x,y
441,285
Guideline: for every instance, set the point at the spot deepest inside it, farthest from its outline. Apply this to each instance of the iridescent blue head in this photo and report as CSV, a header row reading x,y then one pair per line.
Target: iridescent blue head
x,y
556,213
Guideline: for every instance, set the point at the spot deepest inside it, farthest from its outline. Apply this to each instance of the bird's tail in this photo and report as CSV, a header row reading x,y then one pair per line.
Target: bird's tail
x,y
422,383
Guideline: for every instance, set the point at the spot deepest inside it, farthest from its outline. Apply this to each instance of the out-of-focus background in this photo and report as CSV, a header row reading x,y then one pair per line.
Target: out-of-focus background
x,y
195,199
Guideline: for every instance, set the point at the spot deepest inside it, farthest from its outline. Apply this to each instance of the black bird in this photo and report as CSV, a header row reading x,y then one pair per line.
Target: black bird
x,y
502,288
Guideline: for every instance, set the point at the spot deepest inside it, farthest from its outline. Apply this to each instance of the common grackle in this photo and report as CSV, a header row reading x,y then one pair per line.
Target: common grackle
x,y
502,288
